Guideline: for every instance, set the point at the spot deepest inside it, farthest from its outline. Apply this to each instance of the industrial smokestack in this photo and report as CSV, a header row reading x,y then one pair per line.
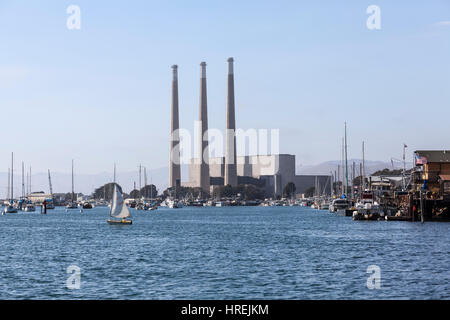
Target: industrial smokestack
x,y
203,150
230,147
174,165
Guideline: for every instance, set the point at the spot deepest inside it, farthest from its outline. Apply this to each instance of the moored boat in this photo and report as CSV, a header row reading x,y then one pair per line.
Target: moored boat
x,y
10,209
29,207
87,205
339,205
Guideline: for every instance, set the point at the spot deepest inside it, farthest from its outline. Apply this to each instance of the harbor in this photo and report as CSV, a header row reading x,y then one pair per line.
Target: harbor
x,y
419,191
237,157
194,253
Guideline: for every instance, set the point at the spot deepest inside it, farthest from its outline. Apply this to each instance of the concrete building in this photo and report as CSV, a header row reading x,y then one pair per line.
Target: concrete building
x,y
38,197
174,165
230,132
270,172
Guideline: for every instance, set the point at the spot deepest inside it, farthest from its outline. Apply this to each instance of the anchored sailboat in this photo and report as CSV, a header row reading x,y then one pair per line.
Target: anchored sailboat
x,y
118,209
73,204
10,207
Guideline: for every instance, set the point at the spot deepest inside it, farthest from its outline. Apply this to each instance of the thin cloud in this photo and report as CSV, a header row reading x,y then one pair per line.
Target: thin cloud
x,y
443,23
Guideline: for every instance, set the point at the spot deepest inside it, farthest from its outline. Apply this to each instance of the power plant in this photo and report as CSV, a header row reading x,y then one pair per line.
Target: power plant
x,y
230,132
174,165
270,172
203,151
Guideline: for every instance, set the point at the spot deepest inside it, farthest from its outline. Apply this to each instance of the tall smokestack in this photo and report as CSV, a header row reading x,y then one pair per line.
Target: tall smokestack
x,y
174,171
230,147
203,134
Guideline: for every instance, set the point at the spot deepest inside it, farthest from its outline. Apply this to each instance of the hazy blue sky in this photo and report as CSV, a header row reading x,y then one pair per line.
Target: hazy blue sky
x,y
102,94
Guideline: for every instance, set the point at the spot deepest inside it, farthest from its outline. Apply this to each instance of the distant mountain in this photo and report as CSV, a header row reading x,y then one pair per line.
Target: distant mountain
x,y
330,166
86,183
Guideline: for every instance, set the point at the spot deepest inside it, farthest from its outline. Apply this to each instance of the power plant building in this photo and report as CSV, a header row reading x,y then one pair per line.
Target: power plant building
x,y
269,172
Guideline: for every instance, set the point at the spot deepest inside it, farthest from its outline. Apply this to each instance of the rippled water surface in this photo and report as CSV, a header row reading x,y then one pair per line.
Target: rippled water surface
x,y
221,253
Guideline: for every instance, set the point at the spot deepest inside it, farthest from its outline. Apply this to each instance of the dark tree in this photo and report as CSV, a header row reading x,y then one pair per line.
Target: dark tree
x,y
310,192
182,192
252,192
106,192
289,190
149,191
135,194
68,196
387,172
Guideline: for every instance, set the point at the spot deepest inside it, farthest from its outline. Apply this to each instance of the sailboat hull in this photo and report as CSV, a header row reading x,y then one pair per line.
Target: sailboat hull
x,y
119,222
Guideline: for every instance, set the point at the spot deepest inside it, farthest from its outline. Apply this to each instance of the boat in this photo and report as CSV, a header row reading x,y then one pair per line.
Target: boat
x,y
72,204
174,204
339,205
151,206
87,205
10,207
220,204
367,208
29,207
119,212
324,205
140,206
50,204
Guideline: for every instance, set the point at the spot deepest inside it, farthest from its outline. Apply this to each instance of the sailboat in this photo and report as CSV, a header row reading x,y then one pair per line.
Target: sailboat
x,y
73,204
50,202
118,209
10,208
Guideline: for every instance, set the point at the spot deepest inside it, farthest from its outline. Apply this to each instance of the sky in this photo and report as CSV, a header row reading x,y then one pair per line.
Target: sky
x,y
101,94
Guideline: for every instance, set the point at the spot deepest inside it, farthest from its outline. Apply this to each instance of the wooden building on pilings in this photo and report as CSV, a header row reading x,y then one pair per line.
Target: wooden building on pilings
x,y
430,186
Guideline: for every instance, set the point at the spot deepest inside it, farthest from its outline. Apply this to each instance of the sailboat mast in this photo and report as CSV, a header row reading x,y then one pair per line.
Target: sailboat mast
x,y
145,182
363,167
331,183
151,189
73,192
114,174
353,179
50,183
9,185
404,166
338,178
29,185
12,176
343,166
23,181
346,163
140,181
361,180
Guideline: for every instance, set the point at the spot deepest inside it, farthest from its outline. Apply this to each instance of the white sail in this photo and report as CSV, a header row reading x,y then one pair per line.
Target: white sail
x,y
118,207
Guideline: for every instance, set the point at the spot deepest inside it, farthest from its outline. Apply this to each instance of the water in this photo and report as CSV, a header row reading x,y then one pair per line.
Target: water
x,y
221,253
